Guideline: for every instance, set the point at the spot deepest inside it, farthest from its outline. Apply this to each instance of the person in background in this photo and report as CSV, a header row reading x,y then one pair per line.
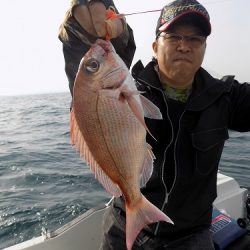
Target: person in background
x,y
86,21
197,110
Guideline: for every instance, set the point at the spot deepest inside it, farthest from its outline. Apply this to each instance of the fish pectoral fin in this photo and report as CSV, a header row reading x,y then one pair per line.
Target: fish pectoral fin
x,y
135,107
147,166
138,217
150,110
138,112
80,144
144,109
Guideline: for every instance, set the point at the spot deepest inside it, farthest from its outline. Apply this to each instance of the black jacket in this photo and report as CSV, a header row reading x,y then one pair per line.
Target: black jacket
x,y
214,106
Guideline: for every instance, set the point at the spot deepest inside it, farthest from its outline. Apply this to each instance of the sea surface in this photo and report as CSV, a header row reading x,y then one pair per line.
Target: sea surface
x,y
43,181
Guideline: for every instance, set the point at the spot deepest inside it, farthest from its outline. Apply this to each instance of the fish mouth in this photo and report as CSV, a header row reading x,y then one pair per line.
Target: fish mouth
x,y
115,70
114,78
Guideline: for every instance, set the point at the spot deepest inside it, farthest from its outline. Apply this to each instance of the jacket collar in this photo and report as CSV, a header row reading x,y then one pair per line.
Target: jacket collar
x,y
206,89
146,75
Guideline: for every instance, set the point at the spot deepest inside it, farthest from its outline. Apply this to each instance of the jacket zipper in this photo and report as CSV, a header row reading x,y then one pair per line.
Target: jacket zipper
x,y
163,164
175,145
167,196
162,168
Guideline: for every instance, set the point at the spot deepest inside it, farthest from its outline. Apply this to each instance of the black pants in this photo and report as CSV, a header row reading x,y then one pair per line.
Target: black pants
x,y
114,238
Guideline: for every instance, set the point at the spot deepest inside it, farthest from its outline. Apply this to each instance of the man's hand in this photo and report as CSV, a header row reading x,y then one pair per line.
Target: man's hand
x,y
98,14
83,17
96,20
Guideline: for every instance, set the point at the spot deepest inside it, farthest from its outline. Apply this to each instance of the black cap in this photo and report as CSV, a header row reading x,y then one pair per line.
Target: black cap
x,y
178,9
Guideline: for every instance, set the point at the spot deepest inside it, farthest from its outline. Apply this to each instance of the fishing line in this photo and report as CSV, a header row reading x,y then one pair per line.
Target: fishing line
x,y
140,12
158,10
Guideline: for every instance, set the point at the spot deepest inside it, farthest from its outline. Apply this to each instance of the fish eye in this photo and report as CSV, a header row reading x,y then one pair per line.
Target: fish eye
x,y
91,65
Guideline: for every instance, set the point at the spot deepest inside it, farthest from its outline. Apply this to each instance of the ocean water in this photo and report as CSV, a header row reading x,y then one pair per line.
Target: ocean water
x,y
44,183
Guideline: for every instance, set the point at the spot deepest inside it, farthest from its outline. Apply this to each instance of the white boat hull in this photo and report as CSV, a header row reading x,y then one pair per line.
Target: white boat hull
x,y
84,232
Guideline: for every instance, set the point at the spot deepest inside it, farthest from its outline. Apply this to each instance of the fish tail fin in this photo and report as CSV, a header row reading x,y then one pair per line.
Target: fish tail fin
x,y
138,217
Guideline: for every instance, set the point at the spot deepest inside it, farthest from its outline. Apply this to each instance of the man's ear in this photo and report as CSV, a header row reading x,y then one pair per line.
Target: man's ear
x,y
155,48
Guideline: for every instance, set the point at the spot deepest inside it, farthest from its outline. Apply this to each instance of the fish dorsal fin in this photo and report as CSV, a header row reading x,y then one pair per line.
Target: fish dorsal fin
x,y
150,110
78,141
147,167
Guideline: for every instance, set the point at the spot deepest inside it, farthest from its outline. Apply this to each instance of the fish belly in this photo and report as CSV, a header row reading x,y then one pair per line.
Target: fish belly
x,y
115,138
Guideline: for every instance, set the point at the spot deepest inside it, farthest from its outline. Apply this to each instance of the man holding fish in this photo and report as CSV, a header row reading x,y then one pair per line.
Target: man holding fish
x,y
83,23
164,182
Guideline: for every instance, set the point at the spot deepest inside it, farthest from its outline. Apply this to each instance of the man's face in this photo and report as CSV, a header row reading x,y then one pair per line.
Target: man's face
x,y
179,60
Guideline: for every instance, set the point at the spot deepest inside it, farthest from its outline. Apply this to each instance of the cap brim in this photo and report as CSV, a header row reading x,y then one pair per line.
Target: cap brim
x,y
204,22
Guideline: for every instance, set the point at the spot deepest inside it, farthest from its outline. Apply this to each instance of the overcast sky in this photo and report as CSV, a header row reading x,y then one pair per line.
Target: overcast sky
x,y
31,59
